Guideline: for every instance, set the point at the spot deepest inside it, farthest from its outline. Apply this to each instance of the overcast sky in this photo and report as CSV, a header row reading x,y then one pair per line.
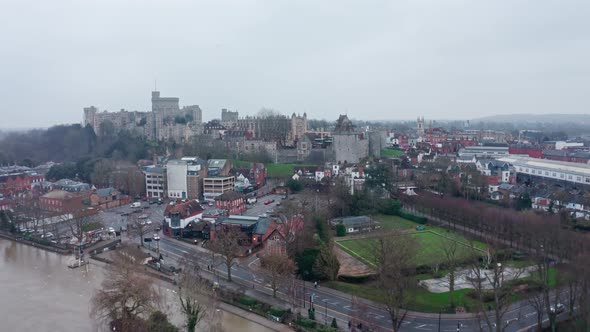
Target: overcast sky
x,y
369,59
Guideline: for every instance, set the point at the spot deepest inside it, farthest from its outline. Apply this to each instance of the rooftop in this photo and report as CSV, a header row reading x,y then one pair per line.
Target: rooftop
x,y
58,194
564,166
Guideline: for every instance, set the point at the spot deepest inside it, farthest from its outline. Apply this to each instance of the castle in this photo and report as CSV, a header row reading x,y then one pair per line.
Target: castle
x,y
166,121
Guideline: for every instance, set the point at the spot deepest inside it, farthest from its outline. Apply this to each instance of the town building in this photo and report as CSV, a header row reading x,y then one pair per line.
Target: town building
x,y
155,181
11,184
573,173
61,201
180,215
107,198
485,151
356,224
215,186
71,186
184,177
232,202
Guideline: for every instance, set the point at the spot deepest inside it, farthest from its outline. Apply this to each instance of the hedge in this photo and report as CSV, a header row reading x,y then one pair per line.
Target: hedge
x,y
414,218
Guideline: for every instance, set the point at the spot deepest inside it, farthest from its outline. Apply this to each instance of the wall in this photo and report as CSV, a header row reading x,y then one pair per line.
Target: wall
x,y
176,179
349,147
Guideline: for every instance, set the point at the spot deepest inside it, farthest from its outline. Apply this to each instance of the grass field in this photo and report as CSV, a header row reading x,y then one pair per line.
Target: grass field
x,y
273,170
392,153
429,253
394,222
424,300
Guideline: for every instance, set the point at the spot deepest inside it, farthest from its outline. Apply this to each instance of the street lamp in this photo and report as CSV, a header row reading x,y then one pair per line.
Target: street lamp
x,y
157,239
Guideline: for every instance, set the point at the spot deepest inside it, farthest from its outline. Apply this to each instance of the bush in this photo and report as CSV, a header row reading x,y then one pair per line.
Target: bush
x,y
414,218
306,323
487,296
247,301
277,312
340,230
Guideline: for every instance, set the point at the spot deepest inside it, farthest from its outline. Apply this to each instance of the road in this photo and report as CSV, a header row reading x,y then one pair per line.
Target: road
x,y
336,304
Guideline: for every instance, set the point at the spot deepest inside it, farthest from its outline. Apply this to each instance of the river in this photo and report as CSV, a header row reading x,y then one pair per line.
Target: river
x,y
39,292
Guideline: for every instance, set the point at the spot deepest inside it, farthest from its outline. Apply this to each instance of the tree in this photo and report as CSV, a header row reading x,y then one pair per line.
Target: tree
x,y
139,227
449,249
227,243
277,270
294,185
158,322
127,295
492,281
326,265
193,293
394,254
340,230
334,323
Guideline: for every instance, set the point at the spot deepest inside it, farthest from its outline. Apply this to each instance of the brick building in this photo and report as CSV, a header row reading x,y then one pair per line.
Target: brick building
x,y
232,202
60,201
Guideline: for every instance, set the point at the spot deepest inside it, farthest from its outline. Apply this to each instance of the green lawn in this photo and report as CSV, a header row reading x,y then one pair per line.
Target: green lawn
x,y
425,301
283,170
429,253
273,170
394,222
392,153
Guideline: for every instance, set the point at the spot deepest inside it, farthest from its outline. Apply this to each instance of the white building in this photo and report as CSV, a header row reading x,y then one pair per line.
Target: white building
x,y
551,169
176,171
155,181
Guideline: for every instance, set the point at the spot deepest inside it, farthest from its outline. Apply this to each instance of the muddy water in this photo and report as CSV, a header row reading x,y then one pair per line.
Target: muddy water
x,y
39,293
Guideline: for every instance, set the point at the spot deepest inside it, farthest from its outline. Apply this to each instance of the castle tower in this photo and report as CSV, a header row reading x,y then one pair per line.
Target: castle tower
x,y
420,126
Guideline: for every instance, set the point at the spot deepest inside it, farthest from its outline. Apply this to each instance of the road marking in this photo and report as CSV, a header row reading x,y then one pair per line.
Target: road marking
x,y
531,314
422,327
511,320
349,308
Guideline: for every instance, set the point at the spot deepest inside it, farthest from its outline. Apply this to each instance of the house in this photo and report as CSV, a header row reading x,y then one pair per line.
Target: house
x,y
279,233
14,183
319,174
71,186
61,201
178,215
356,224
6,204
106,198
232,202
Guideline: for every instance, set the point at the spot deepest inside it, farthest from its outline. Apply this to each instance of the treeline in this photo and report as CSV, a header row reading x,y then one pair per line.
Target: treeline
x,y
71,143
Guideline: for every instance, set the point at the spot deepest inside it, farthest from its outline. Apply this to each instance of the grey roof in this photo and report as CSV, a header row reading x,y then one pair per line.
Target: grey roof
x,y
105,192
262,225
219,163
352,221
239,220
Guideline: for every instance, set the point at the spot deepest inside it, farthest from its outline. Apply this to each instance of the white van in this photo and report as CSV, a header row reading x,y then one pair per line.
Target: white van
x,y
135,204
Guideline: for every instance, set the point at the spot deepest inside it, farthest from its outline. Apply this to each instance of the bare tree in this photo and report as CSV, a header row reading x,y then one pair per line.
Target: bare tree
x,y
227,243
394,255
492,281
127,295
139,226
193,293
449,249
276,269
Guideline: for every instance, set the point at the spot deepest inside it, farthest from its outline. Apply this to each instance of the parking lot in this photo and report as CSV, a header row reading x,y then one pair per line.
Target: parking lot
x,y
259,208
122,218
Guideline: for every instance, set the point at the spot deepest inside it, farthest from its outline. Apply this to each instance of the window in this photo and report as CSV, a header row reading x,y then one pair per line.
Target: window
x,y
554,174
569,177
546,173
578,178
527,170
561,175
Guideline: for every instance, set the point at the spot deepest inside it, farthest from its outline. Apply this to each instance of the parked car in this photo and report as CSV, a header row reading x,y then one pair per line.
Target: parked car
x,y
135,204
111,230
267,202
149,222
557,309
47,235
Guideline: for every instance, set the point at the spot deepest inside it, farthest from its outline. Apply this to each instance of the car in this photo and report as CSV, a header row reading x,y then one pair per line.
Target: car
x,y
264,215
149,222
47,235
143,216
267,202
156,237
146,207
557,309
279,204
270,211
111,230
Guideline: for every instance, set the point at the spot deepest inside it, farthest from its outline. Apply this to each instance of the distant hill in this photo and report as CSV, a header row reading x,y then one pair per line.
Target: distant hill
x,y
537,118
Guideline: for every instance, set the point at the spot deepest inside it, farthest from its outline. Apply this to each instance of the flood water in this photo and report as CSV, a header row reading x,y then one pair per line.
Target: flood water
x,y
38,292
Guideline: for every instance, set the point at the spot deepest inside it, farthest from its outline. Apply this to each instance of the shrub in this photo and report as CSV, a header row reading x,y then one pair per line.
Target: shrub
x,y
306,323
340,230
277,312
414,218
247,301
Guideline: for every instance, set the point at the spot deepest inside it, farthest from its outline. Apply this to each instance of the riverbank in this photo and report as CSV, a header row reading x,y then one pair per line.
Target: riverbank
x,y
41,283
